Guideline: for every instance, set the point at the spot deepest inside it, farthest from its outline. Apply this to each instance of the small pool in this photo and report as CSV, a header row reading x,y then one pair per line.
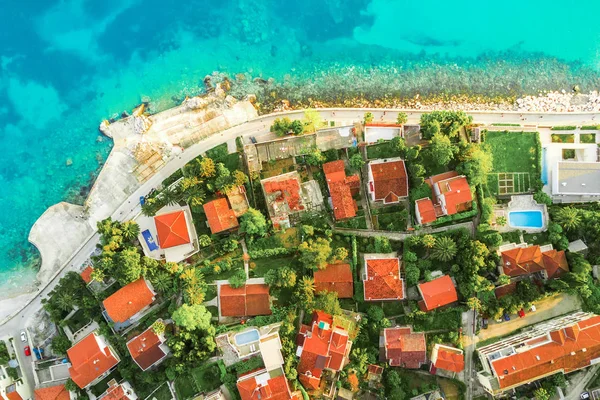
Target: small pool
x,y
246,337
526,219
544,167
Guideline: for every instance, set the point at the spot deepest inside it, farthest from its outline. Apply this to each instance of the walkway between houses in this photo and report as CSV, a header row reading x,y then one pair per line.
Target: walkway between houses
x,y
363,196
404,235
246,267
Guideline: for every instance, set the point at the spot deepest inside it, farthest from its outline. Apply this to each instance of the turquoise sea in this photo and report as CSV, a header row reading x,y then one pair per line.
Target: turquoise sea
x,y
67,64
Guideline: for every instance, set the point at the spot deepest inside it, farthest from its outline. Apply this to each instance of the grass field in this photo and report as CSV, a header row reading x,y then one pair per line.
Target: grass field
x,y
513,152
206,377
185,387
263,265
381,150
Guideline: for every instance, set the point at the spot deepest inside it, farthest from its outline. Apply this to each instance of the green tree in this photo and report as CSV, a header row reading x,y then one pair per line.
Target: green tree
x,y
312,120
204,240
382,245
192,317
328,302
428,241
541,394
356,162
253,222
503,279
476,162
64,301
281,126
206,167
71,386
569,218
129,266
444,249
305,292
340,254
441,149
402,118
297,127
60,344
98,275
281,277
394,387
501,220
314,253
412,274
368,117
130,229
238,279
399,145
314,157
229,244
158,327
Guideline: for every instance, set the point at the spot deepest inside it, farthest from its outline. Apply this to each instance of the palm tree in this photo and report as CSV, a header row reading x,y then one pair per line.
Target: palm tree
x,y
444,249
569,218
130,230
168,196
162,282
64,301
428,241
195,196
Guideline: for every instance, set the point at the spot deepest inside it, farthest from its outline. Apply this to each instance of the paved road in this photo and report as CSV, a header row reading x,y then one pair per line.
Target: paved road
x,y
468,327
259,128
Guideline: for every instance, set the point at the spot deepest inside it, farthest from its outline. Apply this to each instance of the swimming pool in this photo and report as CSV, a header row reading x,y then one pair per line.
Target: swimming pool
x,y
526,219
246,337
544,167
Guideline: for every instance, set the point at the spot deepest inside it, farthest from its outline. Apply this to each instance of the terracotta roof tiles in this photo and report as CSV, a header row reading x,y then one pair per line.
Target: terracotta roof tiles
x,y
438,292
90,358
426,210
389,179
129,300
58,392
335,278
249,300
405,348
171,229
220,216
145,349
273,389
383,280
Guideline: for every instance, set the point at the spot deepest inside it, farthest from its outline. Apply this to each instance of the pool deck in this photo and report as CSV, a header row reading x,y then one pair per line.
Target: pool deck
x,y
522,203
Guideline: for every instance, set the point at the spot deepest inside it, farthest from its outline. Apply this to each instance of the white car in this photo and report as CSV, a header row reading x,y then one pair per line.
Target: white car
x,y
23,336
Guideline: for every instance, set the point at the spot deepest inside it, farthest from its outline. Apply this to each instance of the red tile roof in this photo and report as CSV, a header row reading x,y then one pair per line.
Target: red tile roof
x,y
389,180
403,348
52,393
145,349
86,274
528,260
128,301
565,350
449,359
89,360
273,389
438,292
219,216
287,190
426,210
14,395
335,278
340,189
172,229
247,301
457,193
383,280
115,392
324,347
335,171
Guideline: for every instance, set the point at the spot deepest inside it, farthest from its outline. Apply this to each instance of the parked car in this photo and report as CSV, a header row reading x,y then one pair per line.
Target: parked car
x,y
39,353
532,309
27,351
506,317
584,395
521,313
23,336
484,323
142,200
253,139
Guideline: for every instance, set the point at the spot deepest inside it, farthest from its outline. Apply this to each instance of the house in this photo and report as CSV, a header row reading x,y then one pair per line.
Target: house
x,y
148,348
128,304
374,375
219,216
375,132
13,391
387,180
437,293
121,391
503,290
58,392
321,346
403,348
286,196
86,274
91,360
561,345
335,278
575,181
522,259
451,195
247,301
170,235
341,189
446,361
382,278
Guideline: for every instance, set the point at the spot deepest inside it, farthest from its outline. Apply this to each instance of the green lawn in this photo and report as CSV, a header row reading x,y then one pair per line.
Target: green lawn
x,y
536,238
393,308
381,150
394,221
163,393
513,152
265,264
511,237
211,292
207,377
185,387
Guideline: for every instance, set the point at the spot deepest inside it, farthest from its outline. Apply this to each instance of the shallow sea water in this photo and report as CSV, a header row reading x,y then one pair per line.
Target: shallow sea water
x,y
66,65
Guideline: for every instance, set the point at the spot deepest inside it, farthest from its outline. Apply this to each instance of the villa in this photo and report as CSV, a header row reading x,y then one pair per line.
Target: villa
x,y
375,132
437,293
561,345
522,259
321,346
247,301
382,280
58,392
451,195
91,360
121,391
403,348
335,278
574,181
170,235
148,349
128,304
220,217
341,189
287,196
388,181
446,361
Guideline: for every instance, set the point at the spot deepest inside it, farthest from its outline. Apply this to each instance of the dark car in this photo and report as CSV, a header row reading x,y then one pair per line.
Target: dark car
x,y
506,317
27,350
253,139
484,323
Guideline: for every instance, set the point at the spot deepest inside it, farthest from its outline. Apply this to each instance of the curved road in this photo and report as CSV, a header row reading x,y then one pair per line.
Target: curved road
x,y
259,128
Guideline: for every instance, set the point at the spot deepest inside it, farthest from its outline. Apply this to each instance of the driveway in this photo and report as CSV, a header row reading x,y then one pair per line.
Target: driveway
x,y
551,307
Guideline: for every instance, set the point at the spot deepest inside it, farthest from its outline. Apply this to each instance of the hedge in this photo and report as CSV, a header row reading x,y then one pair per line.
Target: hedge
x,y
354,254
506,124
456,217
590,127
564,128
264,253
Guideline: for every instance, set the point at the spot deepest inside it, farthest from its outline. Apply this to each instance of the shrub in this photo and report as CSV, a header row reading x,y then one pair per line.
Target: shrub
x,y
564,128
238,279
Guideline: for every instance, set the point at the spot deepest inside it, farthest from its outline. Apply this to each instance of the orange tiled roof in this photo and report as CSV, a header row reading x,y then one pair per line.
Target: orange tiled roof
x,y
86,274
14,395
438,292
389,180
383,280
115,392
58,392
340,189
89,360
457,193
128,301
555,263
220,217
145,349
404,348
171,229
287,190
273,389
564,350
247,301
426,210
335,171
528,260
503,290
449,359
335,278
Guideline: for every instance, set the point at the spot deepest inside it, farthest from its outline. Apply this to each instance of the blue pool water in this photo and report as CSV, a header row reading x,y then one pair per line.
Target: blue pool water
x,y
246,337
544,167
67,64
525,219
